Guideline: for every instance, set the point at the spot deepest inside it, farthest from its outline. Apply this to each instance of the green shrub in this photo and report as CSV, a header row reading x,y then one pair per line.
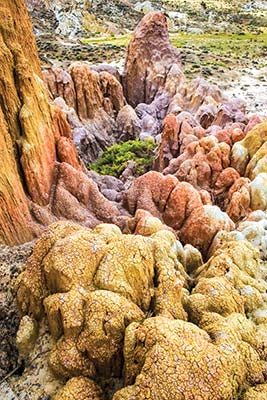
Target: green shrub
x,y
114,159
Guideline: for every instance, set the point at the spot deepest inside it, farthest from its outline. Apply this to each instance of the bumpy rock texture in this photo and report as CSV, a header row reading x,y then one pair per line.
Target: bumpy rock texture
x,y
99,288
88,308
180,206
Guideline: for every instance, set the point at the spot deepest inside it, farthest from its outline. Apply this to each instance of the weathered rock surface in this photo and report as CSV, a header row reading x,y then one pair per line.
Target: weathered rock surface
x,y
258,392
99,287
80,389
154,347
12,262
92,102
88,309
40,169
249,155
180,206
117,300
150,61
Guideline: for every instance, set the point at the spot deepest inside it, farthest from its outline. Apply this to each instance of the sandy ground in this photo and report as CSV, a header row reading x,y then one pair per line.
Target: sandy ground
x,y
250,85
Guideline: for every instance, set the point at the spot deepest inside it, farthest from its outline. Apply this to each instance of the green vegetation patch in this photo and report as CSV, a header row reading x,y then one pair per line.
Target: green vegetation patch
x,y
114,159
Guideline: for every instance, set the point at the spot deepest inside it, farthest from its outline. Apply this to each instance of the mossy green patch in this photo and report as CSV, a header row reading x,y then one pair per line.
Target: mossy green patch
x,y
114,160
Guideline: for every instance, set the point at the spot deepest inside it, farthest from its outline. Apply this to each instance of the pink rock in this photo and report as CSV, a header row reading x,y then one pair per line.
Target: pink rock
x,y
148,61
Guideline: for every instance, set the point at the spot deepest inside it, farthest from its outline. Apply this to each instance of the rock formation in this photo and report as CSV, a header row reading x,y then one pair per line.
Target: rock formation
x,y
180,206
80,389
89,312
120,280
98,289
150,60
92,101
27,140
40,170
161,346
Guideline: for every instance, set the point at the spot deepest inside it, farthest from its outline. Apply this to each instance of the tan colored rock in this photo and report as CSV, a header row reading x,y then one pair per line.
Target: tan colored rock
x,y
161,347
92,285
258,392
80,389
26,336
107,315
249,155
214,295
239,263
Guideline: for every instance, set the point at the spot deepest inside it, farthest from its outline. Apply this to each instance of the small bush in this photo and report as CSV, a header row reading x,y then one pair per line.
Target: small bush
x,y
114,159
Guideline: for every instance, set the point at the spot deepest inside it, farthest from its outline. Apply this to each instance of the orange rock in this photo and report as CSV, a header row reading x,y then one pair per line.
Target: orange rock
x,y
202,225
169,145
35,137
85,90
27,140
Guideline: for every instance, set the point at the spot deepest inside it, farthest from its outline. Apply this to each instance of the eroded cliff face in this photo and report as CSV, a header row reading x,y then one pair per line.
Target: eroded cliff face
x,y
39,169
26,125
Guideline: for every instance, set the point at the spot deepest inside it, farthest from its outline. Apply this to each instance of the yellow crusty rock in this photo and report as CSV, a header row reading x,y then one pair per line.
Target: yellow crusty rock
x,y
92,284
249,156
93,325
26,336
238,262
214,295
193,365
258,392
80,388
31,287
67,361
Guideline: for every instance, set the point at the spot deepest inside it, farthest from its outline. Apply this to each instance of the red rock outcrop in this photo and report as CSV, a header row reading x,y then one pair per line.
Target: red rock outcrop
x,y
85,90
150,61
169,145
215,159
180,206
